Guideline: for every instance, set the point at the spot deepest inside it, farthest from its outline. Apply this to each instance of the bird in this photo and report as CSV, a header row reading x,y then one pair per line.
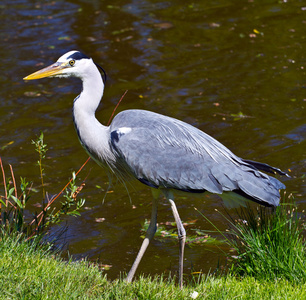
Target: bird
x,y
163,153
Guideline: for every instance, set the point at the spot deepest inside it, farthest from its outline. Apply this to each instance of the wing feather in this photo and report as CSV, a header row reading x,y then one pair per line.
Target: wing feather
x,y
164,152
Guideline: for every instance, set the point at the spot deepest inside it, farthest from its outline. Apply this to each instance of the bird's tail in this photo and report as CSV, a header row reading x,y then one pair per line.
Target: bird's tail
x,y
265,167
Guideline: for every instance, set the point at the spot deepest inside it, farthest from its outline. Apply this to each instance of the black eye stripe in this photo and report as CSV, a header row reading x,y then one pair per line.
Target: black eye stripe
x,y
77,55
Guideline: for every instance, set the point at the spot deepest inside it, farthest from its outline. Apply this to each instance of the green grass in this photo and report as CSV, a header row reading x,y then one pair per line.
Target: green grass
x,y
269,244
268,262
30,271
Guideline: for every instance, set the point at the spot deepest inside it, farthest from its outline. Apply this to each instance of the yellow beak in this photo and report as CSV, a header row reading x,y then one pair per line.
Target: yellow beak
x,y
54,69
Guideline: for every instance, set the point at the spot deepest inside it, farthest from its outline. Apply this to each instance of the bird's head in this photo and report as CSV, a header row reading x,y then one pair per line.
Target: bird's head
x,y
71,64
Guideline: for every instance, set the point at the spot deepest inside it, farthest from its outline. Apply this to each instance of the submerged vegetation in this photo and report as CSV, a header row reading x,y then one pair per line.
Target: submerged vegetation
x,y
168,231
267,258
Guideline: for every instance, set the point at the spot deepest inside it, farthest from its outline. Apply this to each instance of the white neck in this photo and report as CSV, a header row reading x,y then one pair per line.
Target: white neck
x,y
92,134
92,92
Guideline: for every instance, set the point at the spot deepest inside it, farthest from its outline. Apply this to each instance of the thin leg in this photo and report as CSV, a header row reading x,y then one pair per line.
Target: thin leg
x,y
149,236
181,236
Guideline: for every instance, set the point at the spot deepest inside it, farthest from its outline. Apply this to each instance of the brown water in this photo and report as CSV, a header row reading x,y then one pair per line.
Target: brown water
x,y
202,62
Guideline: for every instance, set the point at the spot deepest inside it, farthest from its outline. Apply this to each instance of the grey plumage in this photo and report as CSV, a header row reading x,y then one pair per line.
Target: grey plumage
x,y
164,152
161,152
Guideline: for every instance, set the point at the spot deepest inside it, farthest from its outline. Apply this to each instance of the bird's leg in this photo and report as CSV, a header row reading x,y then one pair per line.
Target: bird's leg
x,y
149,236
182,238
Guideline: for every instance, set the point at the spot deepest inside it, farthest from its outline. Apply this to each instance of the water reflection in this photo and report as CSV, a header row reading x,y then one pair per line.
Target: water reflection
x,y
202,62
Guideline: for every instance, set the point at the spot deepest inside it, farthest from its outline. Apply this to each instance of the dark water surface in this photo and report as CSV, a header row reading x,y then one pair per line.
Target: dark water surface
x,y
203,62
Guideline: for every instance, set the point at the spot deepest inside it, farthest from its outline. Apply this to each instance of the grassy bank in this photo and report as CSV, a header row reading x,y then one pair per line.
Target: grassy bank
x,y
28,271
268,258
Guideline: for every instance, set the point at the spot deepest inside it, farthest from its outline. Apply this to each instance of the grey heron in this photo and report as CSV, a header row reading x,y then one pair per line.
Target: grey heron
x,y
163,153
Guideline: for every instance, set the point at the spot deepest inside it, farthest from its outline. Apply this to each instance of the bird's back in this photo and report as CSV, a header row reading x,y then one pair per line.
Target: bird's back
x,y
163,152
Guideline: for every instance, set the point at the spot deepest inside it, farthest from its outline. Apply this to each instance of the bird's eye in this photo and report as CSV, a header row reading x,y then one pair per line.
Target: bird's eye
x,y
72,62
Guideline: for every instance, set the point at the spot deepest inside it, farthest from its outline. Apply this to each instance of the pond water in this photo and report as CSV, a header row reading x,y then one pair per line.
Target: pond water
x,y
235,69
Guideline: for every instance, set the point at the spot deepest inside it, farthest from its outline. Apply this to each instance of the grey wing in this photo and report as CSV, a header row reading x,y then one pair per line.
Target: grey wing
x,y
165,152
